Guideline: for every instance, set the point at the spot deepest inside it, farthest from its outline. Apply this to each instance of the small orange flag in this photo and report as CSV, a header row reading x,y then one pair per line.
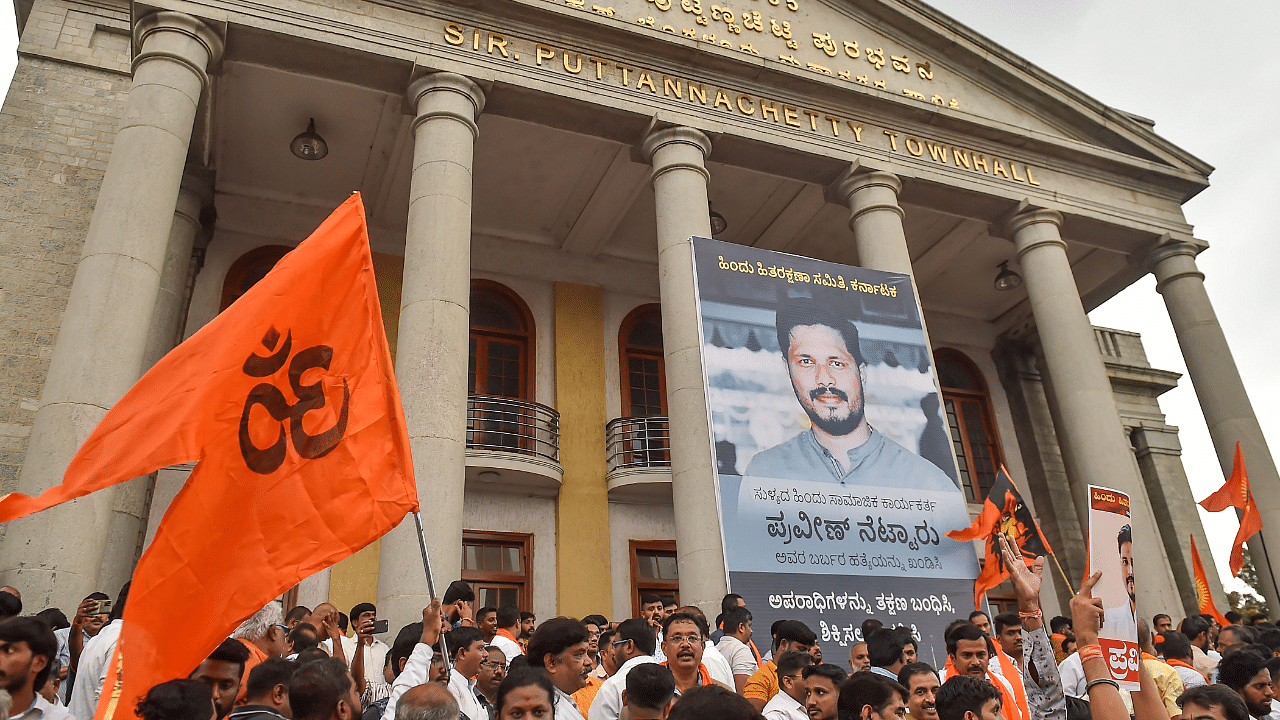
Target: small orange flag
x,y
1003,513
288,402
1204,599
1235,493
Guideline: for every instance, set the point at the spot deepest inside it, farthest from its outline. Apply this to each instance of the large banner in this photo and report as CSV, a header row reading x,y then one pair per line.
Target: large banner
x,y
835,475
1111,551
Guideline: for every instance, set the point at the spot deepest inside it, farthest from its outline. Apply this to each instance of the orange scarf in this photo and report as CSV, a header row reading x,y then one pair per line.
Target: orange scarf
x,y
1178,663
704,675
1006,700
507,634
759,661
1014,676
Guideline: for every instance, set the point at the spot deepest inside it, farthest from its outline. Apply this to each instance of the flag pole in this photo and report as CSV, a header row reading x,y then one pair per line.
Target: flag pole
x,y
431,588
1063,572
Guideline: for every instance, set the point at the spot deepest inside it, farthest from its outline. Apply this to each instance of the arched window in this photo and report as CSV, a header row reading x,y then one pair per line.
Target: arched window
x,y
644,377
246,271
973,432
501,343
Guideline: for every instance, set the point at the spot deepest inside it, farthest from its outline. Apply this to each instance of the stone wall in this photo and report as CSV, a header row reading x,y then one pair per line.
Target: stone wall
x,y
57,127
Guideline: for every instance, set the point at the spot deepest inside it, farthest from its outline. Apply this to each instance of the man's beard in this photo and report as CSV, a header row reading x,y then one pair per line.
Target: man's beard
x,y
1128,585
830,425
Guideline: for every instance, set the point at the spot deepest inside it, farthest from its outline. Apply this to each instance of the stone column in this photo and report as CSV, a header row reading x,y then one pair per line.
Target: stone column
x,y
101,347
431,353
680,198
1225,403
876,220
1094,446
128,522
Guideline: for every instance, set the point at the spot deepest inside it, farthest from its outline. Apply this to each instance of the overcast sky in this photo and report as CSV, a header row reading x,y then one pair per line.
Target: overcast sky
x,y
1207,74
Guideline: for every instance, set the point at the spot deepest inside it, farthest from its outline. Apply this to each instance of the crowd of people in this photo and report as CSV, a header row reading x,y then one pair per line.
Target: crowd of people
x,y
500,664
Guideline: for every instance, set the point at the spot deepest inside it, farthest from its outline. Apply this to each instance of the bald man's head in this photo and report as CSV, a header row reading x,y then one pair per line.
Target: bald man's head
x,y
431,701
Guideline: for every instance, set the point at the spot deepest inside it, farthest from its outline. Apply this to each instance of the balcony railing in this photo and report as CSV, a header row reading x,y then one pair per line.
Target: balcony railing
x,y
516,426
633,443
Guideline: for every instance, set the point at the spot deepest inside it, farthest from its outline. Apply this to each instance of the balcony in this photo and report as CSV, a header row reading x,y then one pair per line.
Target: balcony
x,y
638,457
513,446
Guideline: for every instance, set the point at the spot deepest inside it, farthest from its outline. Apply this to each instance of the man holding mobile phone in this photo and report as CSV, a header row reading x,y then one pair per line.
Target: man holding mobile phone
x,y
371,654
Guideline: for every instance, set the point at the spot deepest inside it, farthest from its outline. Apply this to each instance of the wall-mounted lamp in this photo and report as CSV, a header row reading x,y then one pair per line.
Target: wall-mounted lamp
x,y
308,145
1007,279
718,223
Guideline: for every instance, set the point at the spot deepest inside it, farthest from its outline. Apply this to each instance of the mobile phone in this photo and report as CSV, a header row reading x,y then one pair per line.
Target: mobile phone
x,y
379,626
102,608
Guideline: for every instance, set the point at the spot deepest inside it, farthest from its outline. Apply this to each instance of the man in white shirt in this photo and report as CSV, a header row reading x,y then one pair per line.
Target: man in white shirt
x,y
417,667
559,649
371,651
86,623
733,646
466,649
788,704
717,666
95,660
27,649
634,645
508,630
326,617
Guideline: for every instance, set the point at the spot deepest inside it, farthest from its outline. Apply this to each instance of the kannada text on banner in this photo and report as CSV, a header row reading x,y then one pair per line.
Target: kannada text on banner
x,y
1111,551
835,475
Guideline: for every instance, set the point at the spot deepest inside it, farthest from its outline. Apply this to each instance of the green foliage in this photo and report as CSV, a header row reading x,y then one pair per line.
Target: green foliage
x,y
1248,603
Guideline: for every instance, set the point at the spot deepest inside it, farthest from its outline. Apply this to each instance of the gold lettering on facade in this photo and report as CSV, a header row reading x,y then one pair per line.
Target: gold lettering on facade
x,y
500,42
453,34
813,119
486,42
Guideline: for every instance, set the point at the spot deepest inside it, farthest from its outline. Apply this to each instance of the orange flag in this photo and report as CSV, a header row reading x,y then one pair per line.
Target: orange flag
x,y
288,402
1203,597
1235,493
1003,513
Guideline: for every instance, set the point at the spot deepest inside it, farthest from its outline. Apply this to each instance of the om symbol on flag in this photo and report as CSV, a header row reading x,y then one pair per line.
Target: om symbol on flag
x,y
265,461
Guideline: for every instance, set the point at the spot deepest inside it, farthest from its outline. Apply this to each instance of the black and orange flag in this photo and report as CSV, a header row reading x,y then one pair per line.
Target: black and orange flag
x,y
1204,598
1235,493
1003,513
288,403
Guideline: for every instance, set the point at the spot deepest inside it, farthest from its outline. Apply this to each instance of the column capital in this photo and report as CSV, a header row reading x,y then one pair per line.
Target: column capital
x,y
1171,260
859,191
154,25
678,135
441,85
1016,228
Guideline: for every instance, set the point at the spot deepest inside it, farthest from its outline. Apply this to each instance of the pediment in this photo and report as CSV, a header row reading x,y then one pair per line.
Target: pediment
x,y
900,52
